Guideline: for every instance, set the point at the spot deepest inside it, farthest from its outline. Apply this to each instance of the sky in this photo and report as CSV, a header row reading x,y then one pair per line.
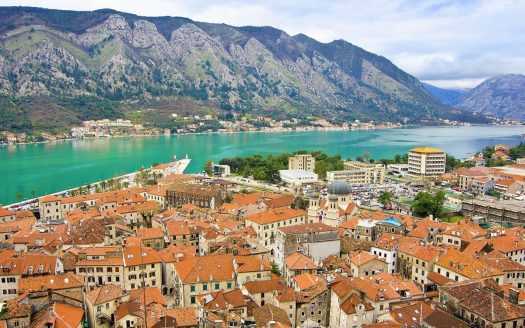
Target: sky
x,y
448,43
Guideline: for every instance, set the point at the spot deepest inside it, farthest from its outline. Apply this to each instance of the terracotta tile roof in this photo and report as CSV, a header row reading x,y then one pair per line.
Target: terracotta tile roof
x,y
278,201
136,255
307,228
475,247
349,224
6,212
252,263
14,309
506,244
480,297
150,233
177,253
108,261
53,282
501,262
349,306
384,286
298,261
285,295
25,225
411,315
275,215
28,263
468,267
186,317
267,313
426,253
306,280
207,268
439,318
246,199
153,295
49,198
225,300
438,279
361,257
264,286
179,228
60,315
104,294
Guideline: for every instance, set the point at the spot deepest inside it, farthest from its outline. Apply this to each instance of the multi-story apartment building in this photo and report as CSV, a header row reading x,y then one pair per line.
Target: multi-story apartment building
x,y
266,224
358,173
426,162
142,268
500,212
202,196
202,275
304,162
315,240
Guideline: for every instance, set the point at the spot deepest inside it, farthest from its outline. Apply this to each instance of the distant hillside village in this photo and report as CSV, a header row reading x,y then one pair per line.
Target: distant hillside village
x,y
190,124
421,241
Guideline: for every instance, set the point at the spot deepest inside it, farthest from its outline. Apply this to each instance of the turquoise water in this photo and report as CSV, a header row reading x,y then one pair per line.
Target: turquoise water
x,y
39,169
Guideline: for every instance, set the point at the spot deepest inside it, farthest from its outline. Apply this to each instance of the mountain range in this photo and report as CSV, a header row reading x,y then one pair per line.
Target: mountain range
x,y
501,96
60,67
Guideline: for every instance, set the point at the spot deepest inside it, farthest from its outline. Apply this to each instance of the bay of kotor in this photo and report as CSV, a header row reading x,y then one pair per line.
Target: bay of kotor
x,y
37,169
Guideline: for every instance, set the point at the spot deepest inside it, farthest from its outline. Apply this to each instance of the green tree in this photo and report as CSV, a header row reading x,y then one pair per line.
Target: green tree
x,y
208,168
386,199
426,204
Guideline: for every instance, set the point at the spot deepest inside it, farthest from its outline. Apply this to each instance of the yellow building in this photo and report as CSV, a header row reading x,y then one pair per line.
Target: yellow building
x,y
426,162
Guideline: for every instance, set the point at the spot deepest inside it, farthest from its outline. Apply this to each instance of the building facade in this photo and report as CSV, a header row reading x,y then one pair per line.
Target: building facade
x,y
426,162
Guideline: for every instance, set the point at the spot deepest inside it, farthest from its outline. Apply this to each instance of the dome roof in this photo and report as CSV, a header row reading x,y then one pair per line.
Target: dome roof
x,y
339,188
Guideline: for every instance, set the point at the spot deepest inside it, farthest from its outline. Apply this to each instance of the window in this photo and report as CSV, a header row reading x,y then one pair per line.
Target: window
x,y
192,288
217,286
229,285
192,300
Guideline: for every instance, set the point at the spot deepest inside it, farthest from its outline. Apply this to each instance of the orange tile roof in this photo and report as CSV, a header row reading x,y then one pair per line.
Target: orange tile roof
x,y
264,286
361,257
6,212
65,316
252,263
53,282
104,294
306,280
384,286
186,317
150,233
307,228
177,253
275,215
298,261
152,295
207,268
136,255
507,243
468,267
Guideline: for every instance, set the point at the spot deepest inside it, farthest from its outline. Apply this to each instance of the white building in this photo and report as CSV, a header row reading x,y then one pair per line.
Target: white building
x,y
426,162
400,169
297,177
304,162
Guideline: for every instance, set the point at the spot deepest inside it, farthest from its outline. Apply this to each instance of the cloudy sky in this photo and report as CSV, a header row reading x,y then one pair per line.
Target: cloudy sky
x,y
450,43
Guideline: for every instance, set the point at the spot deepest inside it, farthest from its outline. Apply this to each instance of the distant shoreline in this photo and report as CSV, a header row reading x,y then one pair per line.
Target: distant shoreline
x,y
335,129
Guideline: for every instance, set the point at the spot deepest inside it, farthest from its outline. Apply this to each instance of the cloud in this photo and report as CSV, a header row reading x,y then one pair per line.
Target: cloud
x,y
435,40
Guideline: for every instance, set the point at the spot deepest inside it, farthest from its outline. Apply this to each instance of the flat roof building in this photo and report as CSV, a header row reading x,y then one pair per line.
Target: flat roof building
x,y
426,162
304,162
